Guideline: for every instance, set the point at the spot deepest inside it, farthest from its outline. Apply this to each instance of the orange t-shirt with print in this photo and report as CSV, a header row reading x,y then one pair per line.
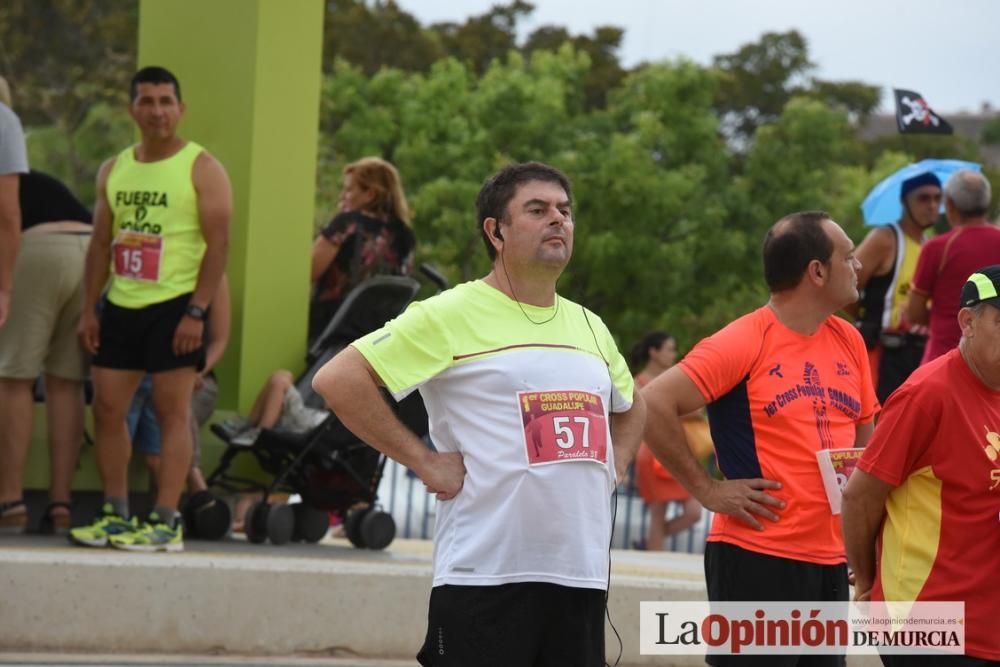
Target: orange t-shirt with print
x,y
776,397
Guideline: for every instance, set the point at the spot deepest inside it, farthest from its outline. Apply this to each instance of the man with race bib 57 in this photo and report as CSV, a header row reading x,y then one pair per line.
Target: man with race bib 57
x,y
520,385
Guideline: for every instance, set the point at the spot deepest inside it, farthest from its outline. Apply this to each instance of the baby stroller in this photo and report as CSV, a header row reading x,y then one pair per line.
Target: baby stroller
x,y
327,465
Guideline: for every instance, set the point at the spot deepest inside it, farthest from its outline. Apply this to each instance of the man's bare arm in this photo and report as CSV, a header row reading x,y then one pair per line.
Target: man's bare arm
x,y
917,308
876,254
219,316
10,236
96,265
670,396
626,434
215,210
861,513
350,387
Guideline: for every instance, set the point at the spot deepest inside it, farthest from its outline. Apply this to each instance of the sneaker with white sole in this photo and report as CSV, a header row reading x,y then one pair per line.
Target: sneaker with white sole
x,y
104,527
153,535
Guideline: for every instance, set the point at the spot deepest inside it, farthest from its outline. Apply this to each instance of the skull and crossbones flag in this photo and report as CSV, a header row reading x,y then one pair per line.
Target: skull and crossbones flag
x,y
913,116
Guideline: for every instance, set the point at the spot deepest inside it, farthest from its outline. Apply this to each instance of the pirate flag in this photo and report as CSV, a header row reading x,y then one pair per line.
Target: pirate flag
x,y
913,116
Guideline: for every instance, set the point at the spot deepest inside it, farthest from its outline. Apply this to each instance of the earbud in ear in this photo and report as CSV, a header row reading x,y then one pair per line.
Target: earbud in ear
x,y
496,232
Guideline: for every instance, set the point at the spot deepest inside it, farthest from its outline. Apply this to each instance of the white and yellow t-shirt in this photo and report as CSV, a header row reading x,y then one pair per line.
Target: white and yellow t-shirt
x,y
527,406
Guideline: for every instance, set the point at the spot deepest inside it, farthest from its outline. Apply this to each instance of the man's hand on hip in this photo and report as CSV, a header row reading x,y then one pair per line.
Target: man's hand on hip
x,y
444,474
743,498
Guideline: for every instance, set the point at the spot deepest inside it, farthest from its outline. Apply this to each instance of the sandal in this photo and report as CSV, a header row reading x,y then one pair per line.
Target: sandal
x,y
56,524
13,517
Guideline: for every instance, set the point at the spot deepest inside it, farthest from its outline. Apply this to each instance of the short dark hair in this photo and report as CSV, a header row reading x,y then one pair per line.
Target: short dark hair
x,y
791,244
654,340
497,192
153,74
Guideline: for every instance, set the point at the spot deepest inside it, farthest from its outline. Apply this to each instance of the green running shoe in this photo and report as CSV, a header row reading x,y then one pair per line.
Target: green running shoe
x,y
154,535
105,525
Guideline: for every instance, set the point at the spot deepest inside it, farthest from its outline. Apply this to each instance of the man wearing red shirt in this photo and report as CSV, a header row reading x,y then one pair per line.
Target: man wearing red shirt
x,y
947,260
928,486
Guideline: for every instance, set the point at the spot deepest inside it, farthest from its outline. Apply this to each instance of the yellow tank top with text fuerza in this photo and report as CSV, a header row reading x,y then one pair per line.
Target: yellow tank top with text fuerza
x,y
157,243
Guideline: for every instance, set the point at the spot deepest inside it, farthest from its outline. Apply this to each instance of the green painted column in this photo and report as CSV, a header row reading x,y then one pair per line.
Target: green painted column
x,y
250,74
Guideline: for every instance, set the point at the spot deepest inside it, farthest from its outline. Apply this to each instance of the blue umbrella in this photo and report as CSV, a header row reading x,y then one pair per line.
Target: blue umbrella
x,y
882,205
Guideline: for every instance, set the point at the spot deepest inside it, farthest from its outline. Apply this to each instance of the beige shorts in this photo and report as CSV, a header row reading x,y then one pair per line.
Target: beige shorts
x,y
45,306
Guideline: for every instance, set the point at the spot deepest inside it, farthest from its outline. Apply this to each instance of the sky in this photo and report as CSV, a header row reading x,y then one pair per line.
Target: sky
x,y
947,51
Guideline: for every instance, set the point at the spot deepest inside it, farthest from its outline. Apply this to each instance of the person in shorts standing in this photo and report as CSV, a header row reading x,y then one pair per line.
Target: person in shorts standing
x,y
161,228
781,383
531,408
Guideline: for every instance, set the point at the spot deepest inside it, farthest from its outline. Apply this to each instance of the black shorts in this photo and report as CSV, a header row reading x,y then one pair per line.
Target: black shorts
x,y
530,624
738,575
141,339
901,355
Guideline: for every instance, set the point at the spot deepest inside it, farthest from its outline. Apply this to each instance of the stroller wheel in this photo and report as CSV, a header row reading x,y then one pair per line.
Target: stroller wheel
x,y
311,524
280,523
377,529
352,526
213,519
190,510
255,524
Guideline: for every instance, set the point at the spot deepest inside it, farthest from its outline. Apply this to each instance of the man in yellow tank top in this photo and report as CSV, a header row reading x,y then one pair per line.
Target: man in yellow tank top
x,y
161,232
888,257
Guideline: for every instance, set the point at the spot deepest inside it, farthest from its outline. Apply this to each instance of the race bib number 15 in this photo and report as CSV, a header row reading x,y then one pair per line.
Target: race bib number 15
x,y
137,256
561,426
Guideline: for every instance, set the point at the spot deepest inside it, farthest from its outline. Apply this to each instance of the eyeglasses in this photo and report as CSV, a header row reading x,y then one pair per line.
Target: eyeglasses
x,y
925,197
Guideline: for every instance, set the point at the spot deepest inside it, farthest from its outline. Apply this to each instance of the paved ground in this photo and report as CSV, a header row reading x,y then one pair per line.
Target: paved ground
x,y
401,552
360,589
330,547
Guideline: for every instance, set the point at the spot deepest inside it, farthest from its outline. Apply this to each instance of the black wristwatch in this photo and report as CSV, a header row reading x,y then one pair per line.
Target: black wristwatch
x,y
196,312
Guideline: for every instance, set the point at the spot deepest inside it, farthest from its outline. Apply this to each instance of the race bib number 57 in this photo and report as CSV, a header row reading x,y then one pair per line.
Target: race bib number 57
x,y
561,426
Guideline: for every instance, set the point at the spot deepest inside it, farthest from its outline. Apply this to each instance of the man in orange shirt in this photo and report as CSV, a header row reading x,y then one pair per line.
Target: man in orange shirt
x,y
781,383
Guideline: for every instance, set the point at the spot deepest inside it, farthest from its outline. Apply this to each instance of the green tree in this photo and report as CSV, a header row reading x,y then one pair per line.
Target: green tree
x,y
605,71
806,160
793,163
483,38
921,146
649,174
859,99
63,58
991,132
376,36
759,78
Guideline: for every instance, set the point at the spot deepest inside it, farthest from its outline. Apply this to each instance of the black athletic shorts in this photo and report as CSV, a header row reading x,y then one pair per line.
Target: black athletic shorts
x,y
901,355
530,624
738,575
141,339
